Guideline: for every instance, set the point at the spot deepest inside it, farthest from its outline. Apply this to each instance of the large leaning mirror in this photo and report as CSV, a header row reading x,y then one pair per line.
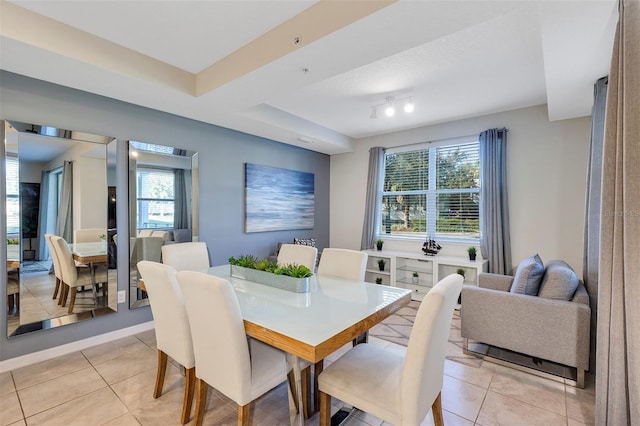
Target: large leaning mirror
x,y
60,212
163,205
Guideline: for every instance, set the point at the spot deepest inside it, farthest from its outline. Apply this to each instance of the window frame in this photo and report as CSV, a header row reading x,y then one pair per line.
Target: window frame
x,y
144,168
430,194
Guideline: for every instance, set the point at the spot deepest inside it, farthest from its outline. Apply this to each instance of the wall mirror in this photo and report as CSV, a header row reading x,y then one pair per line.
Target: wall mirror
x,y
163,205
59,182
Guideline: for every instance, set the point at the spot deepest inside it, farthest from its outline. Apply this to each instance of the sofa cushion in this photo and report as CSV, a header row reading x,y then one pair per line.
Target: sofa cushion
x,y
528,276
559,281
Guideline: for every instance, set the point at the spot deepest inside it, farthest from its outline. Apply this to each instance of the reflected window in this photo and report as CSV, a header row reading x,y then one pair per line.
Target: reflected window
x,y
13,196
155,198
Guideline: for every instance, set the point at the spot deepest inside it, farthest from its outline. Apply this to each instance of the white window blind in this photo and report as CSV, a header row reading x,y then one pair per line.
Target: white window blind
x,y
155,198
13,195
432,191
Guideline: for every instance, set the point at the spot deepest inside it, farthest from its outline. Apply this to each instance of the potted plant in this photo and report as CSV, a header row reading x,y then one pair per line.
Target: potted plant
x,y
415,279
379,244
379,280
472,253
381,264
460,272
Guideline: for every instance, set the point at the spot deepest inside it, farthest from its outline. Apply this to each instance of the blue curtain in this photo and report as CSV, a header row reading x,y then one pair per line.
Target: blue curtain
x,y
495,240
64,226
376,163
180,205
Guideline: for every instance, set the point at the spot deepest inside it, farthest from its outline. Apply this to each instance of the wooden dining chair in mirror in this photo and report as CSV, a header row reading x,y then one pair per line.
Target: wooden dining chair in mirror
x,y
56,180
73,277
163,204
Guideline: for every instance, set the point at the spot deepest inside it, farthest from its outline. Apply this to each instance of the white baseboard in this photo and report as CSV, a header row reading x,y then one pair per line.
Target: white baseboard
x,y
44,355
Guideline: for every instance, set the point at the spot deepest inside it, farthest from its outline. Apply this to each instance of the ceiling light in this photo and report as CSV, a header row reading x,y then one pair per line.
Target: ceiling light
x,y
389,111
389,108
409,106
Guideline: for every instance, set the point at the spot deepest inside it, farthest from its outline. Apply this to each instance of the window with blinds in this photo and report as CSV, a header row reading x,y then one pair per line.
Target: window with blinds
x,y
433,191
155,198
13,196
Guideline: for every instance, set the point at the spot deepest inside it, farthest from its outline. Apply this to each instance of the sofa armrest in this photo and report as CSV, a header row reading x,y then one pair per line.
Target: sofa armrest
x,y
495,281
555,330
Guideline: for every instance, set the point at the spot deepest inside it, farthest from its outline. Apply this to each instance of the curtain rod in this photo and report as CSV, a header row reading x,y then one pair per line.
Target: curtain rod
x,y
439,140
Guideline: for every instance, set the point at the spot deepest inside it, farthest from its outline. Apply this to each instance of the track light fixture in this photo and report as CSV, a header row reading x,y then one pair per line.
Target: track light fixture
x,y
389,106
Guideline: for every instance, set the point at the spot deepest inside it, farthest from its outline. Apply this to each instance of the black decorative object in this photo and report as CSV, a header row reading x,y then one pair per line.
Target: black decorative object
x,y
29,211
431,247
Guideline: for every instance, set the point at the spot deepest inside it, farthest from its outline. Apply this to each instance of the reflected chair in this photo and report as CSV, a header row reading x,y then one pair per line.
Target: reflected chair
x,y
74,277
398,388
13,292
57,269
88,235
242,369
299,255
343,263
186,256
173,335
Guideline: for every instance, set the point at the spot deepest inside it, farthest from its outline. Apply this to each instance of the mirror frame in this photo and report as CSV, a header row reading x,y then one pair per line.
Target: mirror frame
x,y
137,297
110,145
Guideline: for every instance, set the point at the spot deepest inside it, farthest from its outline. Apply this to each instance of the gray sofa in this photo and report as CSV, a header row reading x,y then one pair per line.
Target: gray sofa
x,y
550,329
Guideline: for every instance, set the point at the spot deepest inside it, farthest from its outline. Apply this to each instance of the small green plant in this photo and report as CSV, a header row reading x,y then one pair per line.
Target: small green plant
x,y
460,272
13,241
471,250
415,274
252,262
103,237
379,280
381,264
379,244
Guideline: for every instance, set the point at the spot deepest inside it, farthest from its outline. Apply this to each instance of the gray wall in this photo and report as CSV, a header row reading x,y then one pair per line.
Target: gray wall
x,y
222,154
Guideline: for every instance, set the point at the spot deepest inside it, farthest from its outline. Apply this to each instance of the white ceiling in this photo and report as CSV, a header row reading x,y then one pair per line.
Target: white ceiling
x,y
234,63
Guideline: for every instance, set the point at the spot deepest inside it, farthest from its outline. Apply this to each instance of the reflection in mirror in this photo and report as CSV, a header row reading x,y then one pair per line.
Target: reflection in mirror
x,y
163,205
59,183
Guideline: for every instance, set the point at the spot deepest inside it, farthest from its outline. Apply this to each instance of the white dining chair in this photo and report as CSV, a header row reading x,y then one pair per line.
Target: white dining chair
x,y
57,269
173,335
88,235
74,277
242,369
343,263
186,256
299,255
395,388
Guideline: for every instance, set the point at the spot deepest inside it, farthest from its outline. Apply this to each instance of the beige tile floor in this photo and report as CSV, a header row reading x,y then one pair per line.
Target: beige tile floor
x,y
112,384
37,303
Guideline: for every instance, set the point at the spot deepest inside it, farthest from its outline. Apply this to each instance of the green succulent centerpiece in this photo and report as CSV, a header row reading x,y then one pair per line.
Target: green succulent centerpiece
x,y
290,277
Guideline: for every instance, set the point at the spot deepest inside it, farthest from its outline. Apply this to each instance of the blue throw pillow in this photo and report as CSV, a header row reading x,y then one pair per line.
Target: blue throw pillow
x,y
528,276
559,281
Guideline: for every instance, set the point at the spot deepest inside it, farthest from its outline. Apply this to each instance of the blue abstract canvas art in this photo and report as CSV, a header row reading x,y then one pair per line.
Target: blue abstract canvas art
x,y
278,199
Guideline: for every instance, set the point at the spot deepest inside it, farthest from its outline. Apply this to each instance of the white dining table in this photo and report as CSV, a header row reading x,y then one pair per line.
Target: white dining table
x,y
312,325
